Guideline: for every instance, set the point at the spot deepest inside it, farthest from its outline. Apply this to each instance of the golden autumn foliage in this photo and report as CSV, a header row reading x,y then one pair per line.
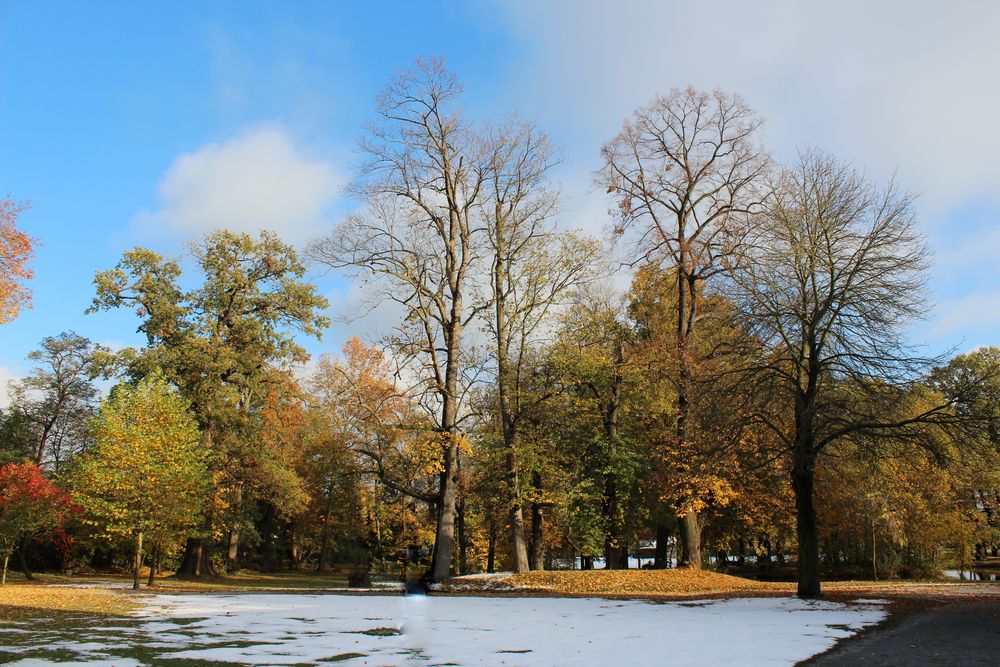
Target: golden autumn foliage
x,y
638,582
146,472
16,250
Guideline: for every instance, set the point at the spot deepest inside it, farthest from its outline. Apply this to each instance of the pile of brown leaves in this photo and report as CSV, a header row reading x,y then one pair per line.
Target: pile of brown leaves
x,y
16,600
680,582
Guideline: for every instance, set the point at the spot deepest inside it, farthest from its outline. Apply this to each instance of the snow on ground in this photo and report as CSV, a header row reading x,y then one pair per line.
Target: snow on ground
x,y
388,630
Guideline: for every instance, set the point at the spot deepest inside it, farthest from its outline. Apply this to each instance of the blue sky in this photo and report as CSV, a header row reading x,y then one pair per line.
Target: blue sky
x,y
146,123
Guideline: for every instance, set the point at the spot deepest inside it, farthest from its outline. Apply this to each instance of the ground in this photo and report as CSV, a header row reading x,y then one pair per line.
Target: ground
x,y
539,619
959,633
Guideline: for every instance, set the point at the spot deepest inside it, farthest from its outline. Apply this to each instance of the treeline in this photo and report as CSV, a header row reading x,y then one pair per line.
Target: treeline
x,y
750,400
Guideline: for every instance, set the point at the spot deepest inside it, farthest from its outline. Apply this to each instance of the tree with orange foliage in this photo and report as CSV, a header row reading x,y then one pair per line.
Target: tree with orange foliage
x,y
372,431
697,476
16,250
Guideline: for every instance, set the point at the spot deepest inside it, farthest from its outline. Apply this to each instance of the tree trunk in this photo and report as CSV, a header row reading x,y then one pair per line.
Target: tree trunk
x,y
661,558
23,557
506,386
519,546
491,548
137,561
6,560
691,542
444,536
612,522
444,533
233,539
324,544
463,544
803,483
536,554
197,558
154,561
232,548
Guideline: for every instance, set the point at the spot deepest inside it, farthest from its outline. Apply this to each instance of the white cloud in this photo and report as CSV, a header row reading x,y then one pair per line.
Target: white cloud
x,y
6,377
256,180
900,83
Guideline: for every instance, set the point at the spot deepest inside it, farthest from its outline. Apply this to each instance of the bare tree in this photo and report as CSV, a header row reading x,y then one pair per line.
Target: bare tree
x,y
681,171
422,186
833,275
533,268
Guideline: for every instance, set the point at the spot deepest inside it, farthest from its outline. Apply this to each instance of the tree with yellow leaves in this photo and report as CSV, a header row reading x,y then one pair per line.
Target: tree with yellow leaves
x,y
146,473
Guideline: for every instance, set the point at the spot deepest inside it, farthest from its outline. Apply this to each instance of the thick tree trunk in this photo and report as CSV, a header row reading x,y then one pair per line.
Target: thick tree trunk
x,y
519,546
154,562
661,556
197,558
137,561
232,548
463,543
803,483
518,541
444,537
444,534
691,542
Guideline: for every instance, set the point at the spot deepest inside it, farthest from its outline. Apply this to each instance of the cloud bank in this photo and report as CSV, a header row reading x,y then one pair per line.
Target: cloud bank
x,y
257,180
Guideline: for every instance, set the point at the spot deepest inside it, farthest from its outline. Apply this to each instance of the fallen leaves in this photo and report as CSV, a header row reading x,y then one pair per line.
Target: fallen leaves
x,y
17,599
638,582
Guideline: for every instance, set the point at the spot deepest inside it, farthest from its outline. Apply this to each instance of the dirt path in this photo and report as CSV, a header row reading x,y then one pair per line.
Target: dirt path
x,y
960,632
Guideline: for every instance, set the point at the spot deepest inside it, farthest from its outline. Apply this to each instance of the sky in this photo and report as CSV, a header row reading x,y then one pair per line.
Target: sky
x,y
150,124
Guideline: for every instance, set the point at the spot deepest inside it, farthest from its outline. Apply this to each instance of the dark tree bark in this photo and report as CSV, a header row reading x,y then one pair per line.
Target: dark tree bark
x,y
661,557
807,531
491,548
22,555
154,564
197,561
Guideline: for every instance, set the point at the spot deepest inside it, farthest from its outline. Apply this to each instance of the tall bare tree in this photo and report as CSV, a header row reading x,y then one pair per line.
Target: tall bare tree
x,y
419,237
681,171
533,268
833,275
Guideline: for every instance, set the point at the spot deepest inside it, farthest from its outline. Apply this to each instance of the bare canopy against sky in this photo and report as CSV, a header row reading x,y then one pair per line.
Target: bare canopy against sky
x,y
255,125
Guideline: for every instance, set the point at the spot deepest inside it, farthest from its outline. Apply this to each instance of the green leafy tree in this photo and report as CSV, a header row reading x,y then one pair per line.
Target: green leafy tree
x,y
227,344
146,474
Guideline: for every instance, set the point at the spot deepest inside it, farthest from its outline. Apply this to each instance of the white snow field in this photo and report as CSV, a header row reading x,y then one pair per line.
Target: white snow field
x,y
280,629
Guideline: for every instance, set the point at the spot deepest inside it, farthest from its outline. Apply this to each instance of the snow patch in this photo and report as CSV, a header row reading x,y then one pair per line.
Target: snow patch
x,y
277,629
